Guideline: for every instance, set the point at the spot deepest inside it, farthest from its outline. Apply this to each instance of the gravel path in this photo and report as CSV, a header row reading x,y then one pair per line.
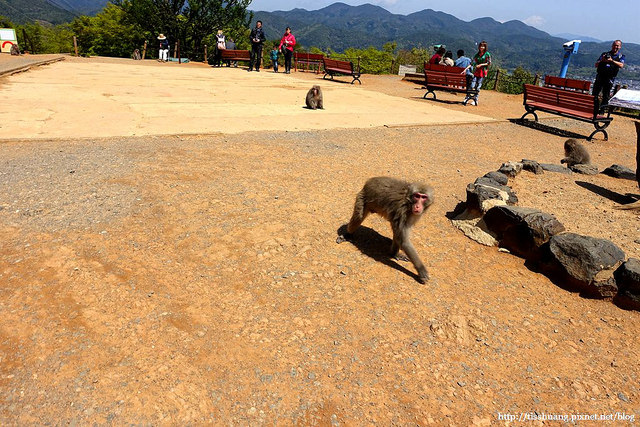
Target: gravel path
x,y
195,279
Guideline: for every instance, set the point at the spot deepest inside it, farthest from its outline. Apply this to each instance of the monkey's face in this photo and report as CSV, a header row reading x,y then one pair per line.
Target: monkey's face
x,y
420,201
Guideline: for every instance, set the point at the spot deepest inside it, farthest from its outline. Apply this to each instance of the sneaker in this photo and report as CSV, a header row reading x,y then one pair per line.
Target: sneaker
x,y
249,70
257,70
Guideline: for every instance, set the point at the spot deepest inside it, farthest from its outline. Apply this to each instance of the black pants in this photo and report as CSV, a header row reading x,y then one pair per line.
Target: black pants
x,y
288,54
604,85
256,56
217,58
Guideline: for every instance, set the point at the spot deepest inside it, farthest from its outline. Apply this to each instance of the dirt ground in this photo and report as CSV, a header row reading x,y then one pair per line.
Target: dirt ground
x,y
194,277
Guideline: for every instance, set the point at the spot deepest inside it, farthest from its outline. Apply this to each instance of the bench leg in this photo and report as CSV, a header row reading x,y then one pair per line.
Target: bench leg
x,y
599,129
428,92
325,76
529,111
354,80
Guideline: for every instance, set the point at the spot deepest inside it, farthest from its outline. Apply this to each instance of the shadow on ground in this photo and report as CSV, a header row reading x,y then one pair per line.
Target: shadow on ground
x,y
621,199
547,129
374,245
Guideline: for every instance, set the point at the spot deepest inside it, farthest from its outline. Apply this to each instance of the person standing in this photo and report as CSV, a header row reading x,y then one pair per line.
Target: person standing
x,y
274,58
464,62
163,49
220,46
231,45
287,43
480,64
607,65
257,40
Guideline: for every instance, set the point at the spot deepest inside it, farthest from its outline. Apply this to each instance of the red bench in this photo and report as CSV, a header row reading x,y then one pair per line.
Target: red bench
x,y
334,66
310,60
235,55
571,104
582,86
447,79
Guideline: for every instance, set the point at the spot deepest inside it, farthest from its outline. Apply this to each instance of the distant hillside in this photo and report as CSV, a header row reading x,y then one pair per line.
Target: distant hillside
x,y
340,26
81,7
23,11
569,36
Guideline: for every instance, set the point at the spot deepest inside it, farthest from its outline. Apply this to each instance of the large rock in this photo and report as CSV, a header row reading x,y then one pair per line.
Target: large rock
x,y
618,171
585,169
498,177
628,280
473,226
555,168
511,169
532,166
522,230
485,193
585,263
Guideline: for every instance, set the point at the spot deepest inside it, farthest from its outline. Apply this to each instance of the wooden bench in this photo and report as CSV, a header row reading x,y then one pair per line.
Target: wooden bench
x,y
581,86
313,60
235,55
571,104
447,79
334,66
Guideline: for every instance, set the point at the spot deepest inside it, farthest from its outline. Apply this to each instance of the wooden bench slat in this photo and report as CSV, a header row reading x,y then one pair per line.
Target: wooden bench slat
x,y
447,79
566,103
335,66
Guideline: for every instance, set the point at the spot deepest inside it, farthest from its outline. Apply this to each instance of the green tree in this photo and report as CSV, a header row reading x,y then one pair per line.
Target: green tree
x,y
189,22
107,33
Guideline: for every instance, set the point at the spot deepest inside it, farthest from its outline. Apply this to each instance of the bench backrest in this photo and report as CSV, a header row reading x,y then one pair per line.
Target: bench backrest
x,y
312,57
234,53
446,79
575,101
442,68
569,84
337,64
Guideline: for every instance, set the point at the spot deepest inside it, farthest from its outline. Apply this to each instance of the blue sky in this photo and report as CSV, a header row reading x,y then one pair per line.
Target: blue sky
x,y
585,17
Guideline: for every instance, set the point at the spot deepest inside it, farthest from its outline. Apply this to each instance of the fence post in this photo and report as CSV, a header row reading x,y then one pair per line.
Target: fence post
x,y
495,85
205,54
535,80
75,45
358,64
144,49
178,52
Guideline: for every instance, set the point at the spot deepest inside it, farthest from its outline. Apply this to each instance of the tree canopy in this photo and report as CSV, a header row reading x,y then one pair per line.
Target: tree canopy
x,y
187,21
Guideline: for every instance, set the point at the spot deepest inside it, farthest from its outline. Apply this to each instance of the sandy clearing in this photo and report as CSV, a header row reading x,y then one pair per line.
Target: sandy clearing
x,y
88,99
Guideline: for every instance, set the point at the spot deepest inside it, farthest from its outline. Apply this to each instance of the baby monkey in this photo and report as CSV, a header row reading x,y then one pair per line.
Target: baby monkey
x,y
314,98
399,202
575,153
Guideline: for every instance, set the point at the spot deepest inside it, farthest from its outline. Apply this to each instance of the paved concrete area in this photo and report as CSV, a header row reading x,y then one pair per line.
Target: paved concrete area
x,y
10,64
94,97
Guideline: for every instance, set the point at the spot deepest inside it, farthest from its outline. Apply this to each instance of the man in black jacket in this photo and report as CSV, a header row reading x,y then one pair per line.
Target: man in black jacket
x,y
257,39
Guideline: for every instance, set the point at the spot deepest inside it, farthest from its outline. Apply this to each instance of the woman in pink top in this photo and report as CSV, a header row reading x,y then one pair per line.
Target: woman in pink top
x,y
288,41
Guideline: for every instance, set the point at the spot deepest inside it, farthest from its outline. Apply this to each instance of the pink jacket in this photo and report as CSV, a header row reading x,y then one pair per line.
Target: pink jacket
x,y
288,38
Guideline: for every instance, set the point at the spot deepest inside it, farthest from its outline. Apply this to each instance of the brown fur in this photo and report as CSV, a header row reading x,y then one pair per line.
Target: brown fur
x,y
314,98
575,153
394,200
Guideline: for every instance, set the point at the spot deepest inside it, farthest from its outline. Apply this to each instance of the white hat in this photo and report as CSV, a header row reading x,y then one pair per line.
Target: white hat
x,y
161,37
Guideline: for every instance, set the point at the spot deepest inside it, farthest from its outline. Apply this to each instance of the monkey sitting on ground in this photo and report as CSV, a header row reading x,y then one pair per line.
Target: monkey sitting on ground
x,y
136,55
15,50
402,204
314,98
575,153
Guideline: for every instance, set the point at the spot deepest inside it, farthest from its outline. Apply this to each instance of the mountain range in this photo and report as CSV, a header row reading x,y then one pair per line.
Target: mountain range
x,y
512,44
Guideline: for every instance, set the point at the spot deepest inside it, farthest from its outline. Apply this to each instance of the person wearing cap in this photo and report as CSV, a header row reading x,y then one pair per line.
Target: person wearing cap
x,y
163,49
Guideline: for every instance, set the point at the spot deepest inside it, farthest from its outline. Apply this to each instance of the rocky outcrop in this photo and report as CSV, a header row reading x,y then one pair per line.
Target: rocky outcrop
x,y
585,263
522,230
